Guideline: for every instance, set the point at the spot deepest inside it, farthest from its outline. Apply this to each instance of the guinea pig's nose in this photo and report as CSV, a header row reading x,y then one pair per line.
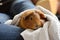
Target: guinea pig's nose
x,y
36,27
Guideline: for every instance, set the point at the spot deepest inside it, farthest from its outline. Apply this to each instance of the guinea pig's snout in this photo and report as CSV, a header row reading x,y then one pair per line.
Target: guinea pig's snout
x,y
36,27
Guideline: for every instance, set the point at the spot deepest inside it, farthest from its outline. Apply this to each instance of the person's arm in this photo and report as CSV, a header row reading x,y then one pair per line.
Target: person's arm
x,y
21,5
10,32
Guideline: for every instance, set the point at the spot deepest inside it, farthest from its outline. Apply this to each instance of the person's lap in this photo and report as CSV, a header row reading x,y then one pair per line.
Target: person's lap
x,y
4,17
10,32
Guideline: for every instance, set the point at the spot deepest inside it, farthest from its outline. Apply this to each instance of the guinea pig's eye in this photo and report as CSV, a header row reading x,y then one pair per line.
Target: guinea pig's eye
x,y
31,18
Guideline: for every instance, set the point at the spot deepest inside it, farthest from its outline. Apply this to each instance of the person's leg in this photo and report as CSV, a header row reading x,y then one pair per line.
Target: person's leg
x,y
10,32
21,5
3,17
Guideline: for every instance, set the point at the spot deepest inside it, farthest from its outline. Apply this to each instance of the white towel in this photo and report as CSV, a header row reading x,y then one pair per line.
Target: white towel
x,y
48,32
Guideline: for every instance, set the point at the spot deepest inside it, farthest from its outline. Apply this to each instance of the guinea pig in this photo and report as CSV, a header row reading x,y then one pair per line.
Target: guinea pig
x,y
32,19
29,19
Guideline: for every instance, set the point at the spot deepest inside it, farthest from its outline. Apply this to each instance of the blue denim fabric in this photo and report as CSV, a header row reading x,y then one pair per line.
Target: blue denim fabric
x,y
10,32
21,5
3,17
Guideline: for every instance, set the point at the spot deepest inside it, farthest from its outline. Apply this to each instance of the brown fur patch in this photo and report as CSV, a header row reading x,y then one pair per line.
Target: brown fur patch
x,y
32,19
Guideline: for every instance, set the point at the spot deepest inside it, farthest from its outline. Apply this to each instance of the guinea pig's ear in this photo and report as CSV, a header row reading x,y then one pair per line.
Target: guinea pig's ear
x,y
28,14
41,14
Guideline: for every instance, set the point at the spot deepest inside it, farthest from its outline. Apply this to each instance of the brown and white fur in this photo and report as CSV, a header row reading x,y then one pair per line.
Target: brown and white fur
x,y
29,19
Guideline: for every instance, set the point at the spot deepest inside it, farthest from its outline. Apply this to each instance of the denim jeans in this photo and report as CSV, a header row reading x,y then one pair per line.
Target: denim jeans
x,y
20,5
10,32
3,17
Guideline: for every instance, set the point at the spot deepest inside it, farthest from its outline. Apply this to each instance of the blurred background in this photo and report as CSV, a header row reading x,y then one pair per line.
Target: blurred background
x,y
52,5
